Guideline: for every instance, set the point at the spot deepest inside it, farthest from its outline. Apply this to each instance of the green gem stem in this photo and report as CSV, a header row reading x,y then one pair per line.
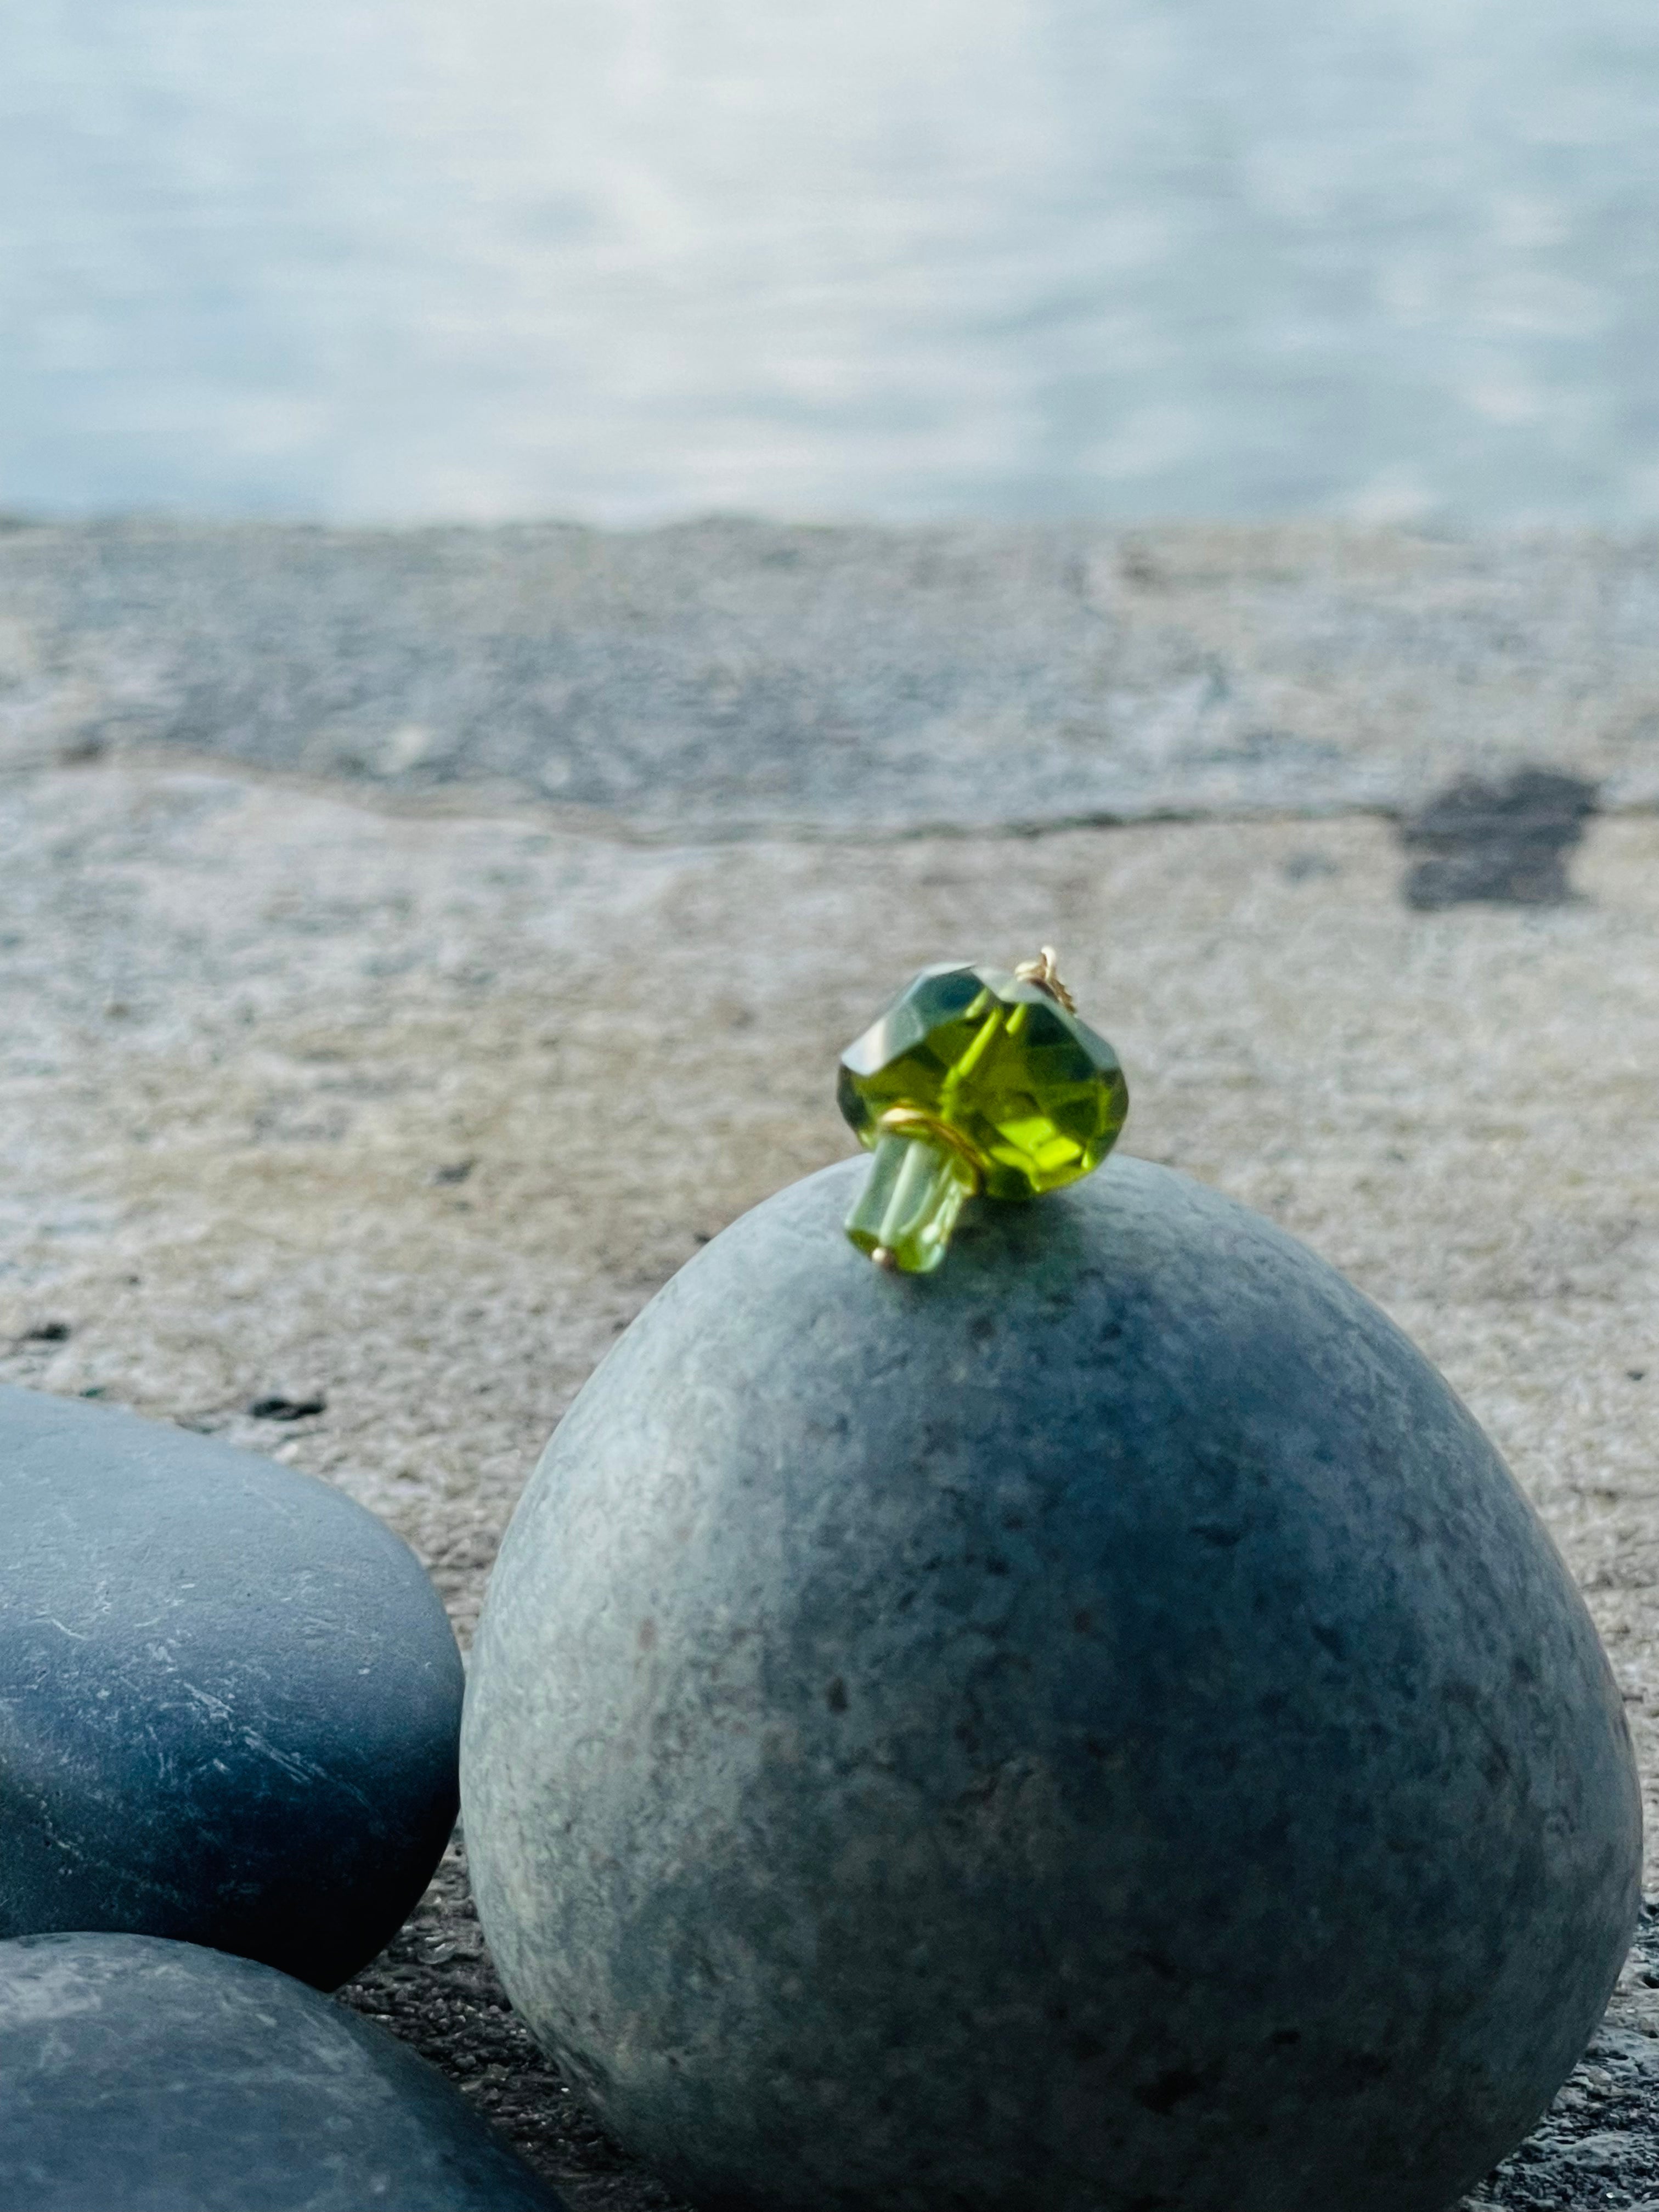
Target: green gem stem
x,y
910,1202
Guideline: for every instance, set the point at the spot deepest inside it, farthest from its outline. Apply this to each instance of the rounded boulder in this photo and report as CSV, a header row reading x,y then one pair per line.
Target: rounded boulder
x,y
229,1698
139,2076
1095,1729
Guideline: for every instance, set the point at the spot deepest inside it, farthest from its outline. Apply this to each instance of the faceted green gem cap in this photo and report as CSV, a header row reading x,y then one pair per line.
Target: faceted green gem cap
x,y
973,1080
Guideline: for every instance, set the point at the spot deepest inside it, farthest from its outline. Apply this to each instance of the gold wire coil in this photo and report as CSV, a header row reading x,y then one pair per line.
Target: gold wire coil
x,y
911,1121
1044,972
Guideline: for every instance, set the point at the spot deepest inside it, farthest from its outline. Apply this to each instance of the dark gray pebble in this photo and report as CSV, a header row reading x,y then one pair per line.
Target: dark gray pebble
x,y
137,2076
1096,1729
229,1698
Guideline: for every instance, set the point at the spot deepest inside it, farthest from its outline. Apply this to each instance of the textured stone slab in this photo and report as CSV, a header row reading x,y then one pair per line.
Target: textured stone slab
x,y
228,1697
304,1095
137,2076
725,678
1093,1727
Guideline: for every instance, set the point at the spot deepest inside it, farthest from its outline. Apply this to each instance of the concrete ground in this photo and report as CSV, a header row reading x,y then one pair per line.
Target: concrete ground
x,y
398,1102
725,678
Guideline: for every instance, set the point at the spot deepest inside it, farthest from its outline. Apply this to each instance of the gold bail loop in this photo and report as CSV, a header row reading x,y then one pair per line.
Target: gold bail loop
x,y
1044,972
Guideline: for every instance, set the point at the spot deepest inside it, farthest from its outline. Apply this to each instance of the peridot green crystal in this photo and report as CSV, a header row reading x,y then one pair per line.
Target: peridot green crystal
x,y
1022,1095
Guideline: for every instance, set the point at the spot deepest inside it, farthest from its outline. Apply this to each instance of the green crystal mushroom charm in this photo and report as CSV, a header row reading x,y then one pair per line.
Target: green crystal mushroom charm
x,y
973,1080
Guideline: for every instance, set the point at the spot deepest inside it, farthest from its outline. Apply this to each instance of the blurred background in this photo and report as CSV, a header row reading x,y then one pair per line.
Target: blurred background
x,y
365,260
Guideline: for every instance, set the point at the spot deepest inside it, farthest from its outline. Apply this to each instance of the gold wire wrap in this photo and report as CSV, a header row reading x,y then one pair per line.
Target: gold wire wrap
x,y
911,1121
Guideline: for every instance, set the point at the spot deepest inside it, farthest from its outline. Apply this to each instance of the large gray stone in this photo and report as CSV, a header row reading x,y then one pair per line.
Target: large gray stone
x,y
230,1698
1097,1728
138,2076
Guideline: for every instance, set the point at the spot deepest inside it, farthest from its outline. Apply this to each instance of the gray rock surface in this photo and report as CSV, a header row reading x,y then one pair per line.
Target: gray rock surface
x,y
230,1698
1096,1727
137,2076
726,677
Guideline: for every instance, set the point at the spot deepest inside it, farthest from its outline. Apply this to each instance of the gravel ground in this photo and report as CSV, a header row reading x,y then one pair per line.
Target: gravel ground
x,y
382,1112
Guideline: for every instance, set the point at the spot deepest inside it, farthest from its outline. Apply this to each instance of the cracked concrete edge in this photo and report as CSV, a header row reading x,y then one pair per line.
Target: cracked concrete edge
x,y
726,678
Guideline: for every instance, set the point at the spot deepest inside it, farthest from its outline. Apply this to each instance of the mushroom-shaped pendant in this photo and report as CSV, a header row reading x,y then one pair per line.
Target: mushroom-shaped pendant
x,y
974,1081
